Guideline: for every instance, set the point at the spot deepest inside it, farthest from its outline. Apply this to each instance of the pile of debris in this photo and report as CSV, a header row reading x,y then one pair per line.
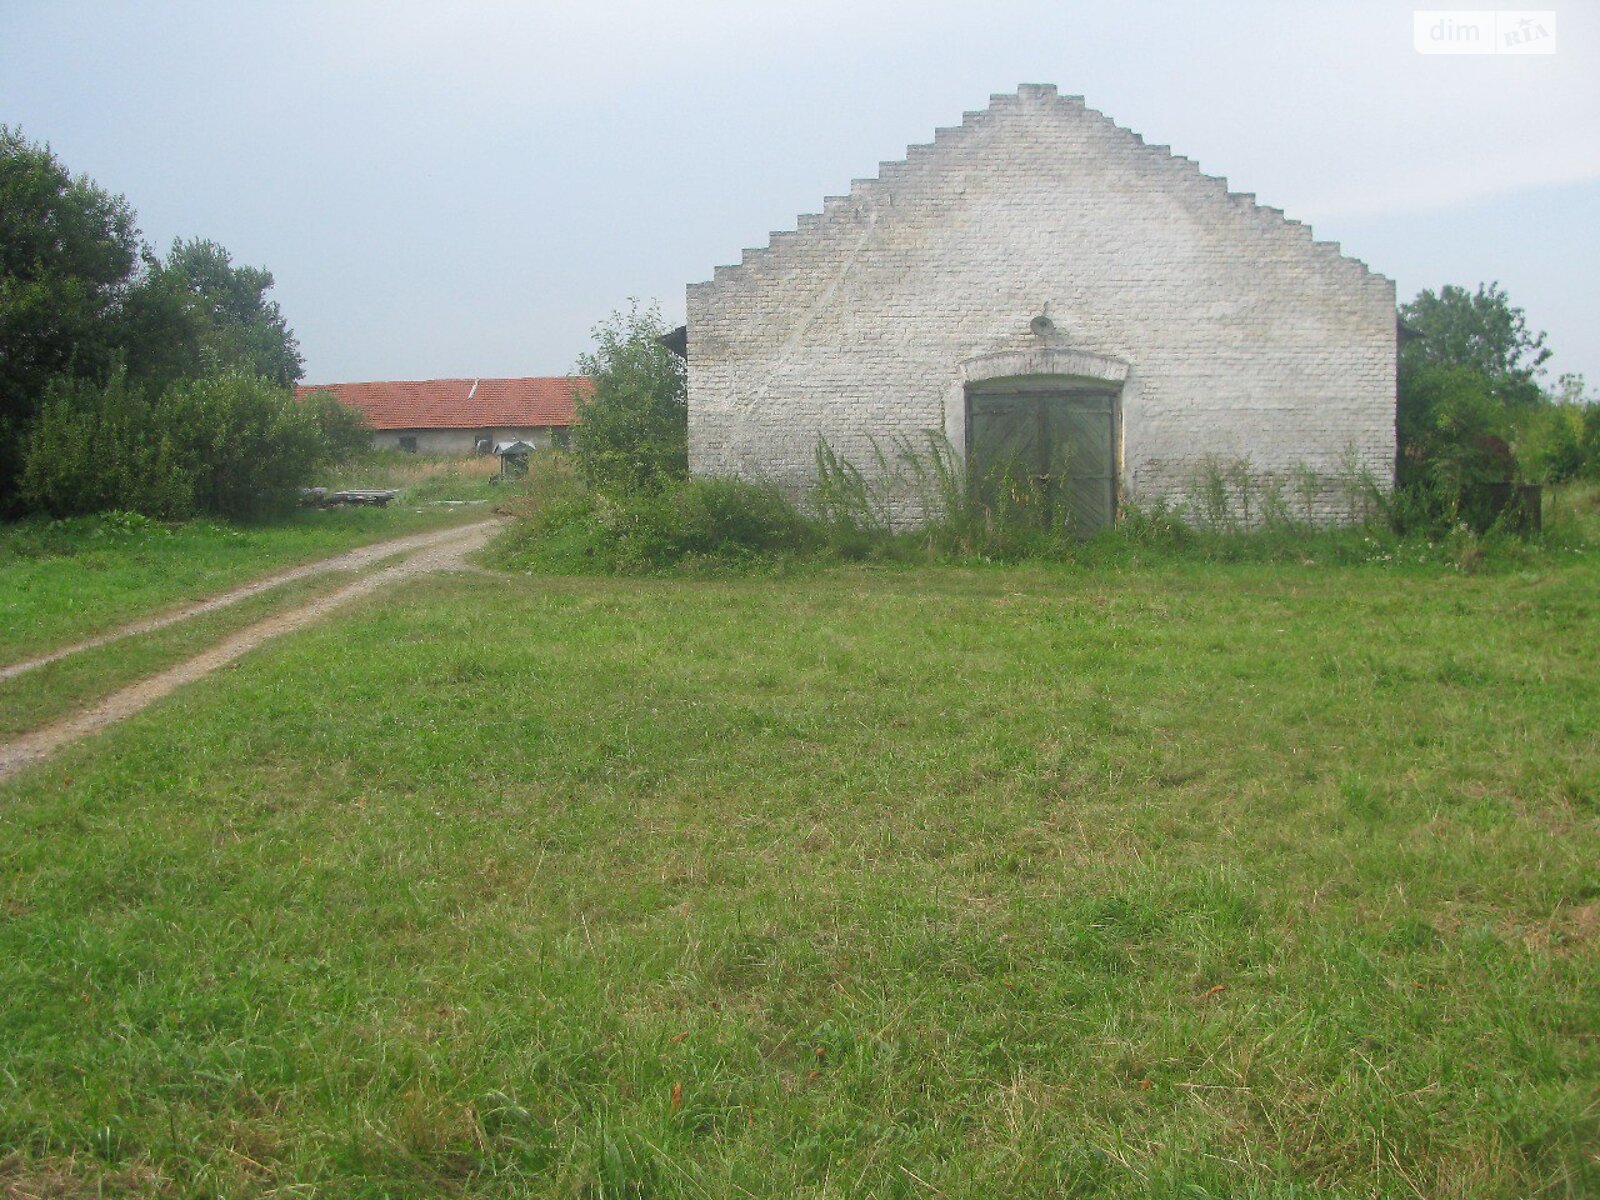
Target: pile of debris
x,y
322,498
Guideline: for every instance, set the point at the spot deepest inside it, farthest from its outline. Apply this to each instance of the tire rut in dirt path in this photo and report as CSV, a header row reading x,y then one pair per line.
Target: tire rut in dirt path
x,y
438,554
350,560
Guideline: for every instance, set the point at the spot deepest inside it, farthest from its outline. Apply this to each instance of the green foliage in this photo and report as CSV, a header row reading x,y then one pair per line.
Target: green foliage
x,y
852,513
686,524
1211,498
346,432
68,250
82,298
1004,517
914,498
248,443
1234,514
1451,429
714,521
1560,441
1471,411
1479,331
230,445
1159,526
156,328
232,324
98,449
632,431
623,501
194,314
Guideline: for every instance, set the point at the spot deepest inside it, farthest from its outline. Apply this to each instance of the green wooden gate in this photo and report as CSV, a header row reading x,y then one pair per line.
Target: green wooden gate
x,y
1045,454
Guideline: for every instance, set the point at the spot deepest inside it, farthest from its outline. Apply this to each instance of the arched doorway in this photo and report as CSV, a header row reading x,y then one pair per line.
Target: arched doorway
x,y
1042,436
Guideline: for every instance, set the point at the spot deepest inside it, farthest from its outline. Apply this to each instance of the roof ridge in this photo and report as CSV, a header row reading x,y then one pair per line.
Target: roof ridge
x,y
434,379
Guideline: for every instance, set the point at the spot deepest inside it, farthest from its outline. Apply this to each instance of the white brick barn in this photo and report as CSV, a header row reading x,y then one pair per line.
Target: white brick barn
x,y
1181,323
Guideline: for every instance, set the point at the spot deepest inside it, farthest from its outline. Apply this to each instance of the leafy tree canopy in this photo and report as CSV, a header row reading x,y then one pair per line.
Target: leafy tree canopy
x,y
236,328
81,295
1450,428
68,251
1481,331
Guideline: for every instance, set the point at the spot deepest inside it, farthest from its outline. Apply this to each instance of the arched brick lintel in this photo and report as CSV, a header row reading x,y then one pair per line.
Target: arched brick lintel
x,y
1043,360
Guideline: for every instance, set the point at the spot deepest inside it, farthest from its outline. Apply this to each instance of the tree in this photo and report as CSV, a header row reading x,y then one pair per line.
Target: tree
x,y
232,324
156,331
1481,331
633,428
68,253
81,298
1560,441
1451,431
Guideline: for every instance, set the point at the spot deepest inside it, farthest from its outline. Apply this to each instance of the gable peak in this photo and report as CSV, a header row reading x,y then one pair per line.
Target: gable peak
x,y
1040,98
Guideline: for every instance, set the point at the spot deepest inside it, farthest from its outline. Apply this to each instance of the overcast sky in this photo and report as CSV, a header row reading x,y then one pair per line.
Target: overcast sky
x,y
466,188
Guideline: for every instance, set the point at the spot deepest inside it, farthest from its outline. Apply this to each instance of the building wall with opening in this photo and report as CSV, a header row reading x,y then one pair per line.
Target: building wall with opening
x,y
465,441
1233,335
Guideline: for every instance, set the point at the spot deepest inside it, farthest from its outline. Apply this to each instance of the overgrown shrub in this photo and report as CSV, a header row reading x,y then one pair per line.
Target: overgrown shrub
x,y
1452,429
914,500
567,526
232,445
633,426
960,520
248,444
1560,442
623,500
346,432
1160,525
1474,414
719,525
1003,517
719,520
99,448
1211,496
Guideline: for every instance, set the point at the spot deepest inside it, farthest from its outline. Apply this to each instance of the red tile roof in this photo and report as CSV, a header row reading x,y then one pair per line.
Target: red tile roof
x,y
461,403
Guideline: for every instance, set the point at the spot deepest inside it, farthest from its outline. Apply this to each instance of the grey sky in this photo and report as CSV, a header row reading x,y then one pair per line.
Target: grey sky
x,y
466,188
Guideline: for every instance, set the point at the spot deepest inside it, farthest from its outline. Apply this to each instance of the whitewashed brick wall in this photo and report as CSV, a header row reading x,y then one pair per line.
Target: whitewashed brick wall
x,y
1242,338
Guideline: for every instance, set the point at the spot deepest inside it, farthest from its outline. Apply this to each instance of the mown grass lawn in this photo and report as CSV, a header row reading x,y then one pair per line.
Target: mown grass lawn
x,y
1180,881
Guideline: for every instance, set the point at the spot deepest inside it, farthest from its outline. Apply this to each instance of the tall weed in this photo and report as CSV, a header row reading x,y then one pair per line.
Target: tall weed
x,y
1233,514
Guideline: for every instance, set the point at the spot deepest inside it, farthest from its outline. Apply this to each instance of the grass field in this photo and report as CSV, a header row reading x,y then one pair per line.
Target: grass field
x,y
39,696
63,580
1179,880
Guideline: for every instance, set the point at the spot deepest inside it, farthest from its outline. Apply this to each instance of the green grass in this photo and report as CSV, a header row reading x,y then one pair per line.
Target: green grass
x,y
1196,880
64,580
36,698
421,476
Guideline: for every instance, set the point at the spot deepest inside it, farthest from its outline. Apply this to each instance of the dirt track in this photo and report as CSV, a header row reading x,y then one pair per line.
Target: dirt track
x,y
444,551
353,560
